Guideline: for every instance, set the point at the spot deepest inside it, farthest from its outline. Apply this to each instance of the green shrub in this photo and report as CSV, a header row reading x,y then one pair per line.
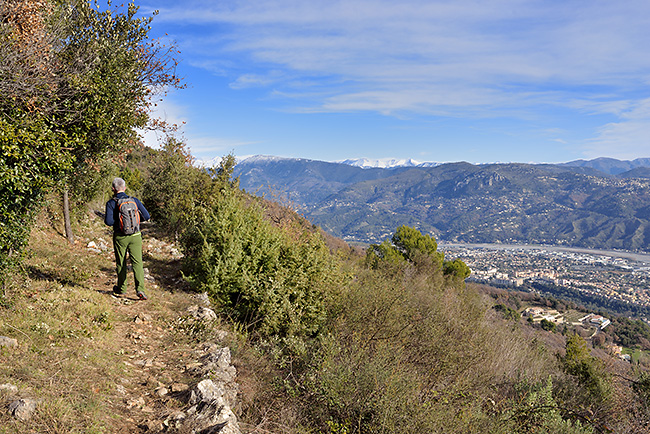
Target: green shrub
x,y
535,411
507,312
578,362
272,280
175,191
409,353
547,325
30,162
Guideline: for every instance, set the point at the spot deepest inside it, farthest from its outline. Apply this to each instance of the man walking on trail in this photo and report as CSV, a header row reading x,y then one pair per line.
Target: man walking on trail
x,y
124,213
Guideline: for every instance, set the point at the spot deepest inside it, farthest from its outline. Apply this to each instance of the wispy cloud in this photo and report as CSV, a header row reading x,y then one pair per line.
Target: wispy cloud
x,y
446,58
625,139
479,46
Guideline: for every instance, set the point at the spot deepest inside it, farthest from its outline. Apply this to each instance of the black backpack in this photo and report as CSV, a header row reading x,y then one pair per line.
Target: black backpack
x,y
129,215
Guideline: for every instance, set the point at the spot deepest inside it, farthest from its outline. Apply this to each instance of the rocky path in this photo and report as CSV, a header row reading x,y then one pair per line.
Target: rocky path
x,y
162,365
178,376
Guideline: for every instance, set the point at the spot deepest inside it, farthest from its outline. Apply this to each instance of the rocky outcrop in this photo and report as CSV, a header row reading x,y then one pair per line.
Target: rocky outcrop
x,y
212,399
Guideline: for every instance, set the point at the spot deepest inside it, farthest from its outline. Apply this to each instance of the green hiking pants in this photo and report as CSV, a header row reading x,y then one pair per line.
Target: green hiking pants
x,y
131,245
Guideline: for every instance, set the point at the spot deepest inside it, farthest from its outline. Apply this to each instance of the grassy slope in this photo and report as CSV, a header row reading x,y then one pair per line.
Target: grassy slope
x,y
92,366
93,362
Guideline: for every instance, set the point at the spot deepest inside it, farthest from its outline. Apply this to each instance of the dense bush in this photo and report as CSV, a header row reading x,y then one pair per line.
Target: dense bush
x,y
409,353
30,161
175,191
272,280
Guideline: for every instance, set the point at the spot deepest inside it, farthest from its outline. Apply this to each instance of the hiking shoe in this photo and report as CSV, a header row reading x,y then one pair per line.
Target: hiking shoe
x,y
141,296
117,293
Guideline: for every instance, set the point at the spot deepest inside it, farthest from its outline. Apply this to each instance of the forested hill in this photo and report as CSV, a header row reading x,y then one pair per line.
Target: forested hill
x,y
572,204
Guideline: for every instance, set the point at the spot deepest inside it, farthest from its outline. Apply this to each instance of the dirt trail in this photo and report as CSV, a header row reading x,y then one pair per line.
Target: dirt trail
x,y
151,390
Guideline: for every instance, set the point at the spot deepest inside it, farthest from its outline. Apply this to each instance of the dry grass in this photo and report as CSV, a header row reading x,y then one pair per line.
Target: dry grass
x,y
80,353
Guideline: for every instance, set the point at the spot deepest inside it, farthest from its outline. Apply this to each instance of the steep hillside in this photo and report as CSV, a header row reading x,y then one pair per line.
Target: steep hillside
x,y
403,341
507,203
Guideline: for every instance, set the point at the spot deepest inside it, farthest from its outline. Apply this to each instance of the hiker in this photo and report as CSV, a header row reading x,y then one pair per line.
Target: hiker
x,y
125,213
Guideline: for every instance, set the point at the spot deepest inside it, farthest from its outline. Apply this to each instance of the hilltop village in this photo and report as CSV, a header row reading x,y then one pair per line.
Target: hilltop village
x,y
590,273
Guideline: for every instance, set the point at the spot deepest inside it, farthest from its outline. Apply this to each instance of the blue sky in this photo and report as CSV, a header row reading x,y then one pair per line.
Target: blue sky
x,y
457,80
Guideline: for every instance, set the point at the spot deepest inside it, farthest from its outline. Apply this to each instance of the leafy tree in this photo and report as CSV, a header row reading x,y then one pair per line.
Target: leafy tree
x,y
411,246
75,82
410,242
457,268
406,244
383,253
108,98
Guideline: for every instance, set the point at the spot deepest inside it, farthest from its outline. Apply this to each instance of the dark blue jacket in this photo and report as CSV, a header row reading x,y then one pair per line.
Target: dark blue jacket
x,y
112,217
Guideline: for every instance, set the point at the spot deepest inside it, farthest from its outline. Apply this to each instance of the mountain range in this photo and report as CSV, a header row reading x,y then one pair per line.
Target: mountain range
x,y
601,203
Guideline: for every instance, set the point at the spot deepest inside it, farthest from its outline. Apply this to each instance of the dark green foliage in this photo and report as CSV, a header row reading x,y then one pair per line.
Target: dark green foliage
x,y
535,411
30,160
410,245
507,312
587,370
628,331
456,268
547,325
383,253
133,179
272,280
410,242
175,191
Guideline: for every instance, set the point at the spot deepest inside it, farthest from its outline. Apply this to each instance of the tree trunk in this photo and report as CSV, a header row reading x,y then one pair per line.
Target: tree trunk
x,y
66,217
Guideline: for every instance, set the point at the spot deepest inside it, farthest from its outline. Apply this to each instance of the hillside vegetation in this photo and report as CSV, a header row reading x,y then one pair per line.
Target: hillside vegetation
x,y
325,339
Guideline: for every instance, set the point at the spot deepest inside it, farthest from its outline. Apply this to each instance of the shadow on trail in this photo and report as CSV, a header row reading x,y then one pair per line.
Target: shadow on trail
x,y
35,273
167,273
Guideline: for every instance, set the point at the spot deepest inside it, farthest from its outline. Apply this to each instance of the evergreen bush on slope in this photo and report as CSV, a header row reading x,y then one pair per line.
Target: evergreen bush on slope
x,y
403,346
272,280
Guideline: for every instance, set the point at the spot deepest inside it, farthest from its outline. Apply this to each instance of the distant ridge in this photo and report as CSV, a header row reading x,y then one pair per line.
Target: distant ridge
x,y
610,166
386,163
602,203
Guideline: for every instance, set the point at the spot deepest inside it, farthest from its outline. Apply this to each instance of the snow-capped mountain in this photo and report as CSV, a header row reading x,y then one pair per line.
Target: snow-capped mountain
x,y
364,163
385,163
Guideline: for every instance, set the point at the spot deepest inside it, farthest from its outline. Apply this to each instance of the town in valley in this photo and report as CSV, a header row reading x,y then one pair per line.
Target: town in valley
x,y
618,276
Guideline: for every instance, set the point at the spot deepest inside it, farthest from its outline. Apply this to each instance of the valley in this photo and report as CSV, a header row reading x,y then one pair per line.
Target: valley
x,y
600,280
